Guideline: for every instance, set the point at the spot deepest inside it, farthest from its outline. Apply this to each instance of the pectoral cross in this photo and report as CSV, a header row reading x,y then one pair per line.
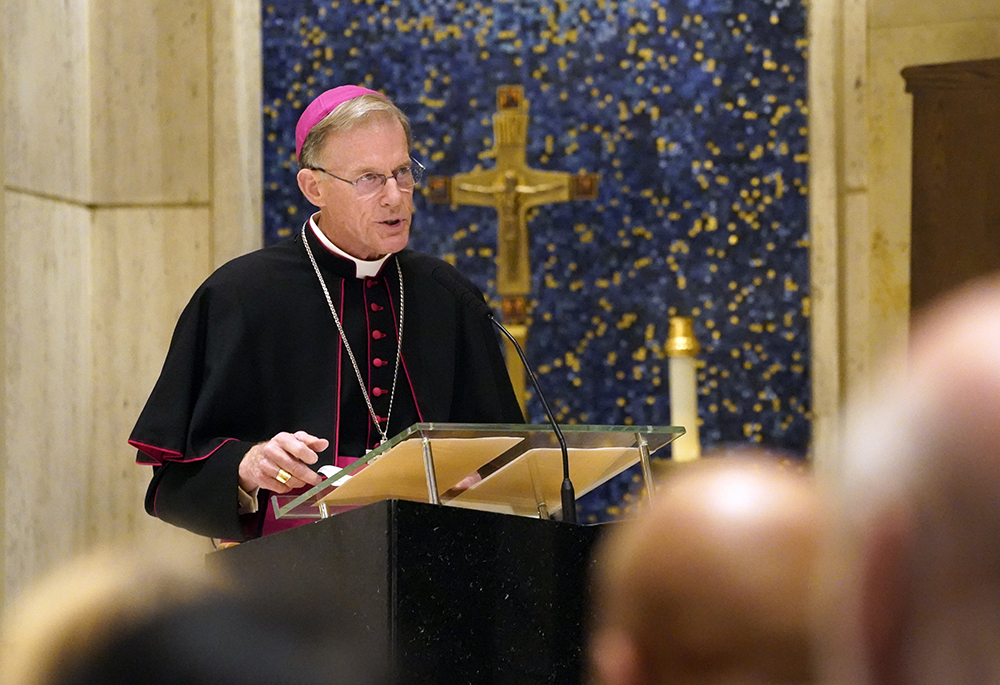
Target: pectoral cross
x,y
512,188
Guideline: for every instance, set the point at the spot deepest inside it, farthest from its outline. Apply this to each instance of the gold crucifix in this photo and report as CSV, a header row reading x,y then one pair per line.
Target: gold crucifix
x,y
512,188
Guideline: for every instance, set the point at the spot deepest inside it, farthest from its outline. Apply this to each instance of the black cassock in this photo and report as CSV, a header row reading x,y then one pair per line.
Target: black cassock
x,y
256,352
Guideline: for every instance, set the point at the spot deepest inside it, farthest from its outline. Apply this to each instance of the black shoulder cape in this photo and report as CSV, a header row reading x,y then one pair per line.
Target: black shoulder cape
x,y
256,352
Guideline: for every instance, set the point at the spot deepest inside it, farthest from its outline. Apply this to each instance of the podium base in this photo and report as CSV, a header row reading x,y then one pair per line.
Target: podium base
x,y
450,595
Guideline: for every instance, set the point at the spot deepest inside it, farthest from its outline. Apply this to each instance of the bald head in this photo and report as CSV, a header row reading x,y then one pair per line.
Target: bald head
x,y
711,583
955,376
918,487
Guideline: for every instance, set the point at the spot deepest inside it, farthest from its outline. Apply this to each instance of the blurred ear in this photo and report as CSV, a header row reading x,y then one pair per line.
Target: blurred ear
x,y
309,185
885,587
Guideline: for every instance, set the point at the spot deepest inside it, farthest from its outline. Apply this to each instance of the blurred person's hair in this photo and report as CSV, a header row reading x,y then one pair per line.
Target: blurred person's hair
x,y
118,617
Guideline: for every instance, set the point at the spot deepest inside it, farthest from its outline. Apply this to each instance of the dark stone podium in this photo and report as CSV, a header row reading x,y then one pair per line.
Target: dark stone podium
x,y
451,595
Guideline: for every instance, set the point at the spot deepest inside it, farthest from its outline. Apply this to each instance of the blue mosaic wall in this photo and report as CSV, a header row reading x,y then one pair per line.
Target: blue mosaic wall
x,y
694,114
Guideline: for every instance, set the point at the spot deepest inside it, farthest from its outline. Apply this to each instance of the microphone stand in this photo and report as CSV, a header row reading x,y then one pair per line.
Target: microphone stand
x,y
567,492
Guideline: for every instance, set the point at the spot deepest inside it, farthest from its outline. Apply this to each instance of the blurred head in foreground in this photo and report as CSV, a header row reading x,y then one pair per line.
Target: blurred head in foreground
x,y
912,591
711,583
119,617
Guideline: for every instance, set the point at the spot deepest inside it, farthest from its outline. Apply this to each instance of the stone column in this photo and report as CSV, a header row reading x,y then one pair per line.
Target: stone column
x,y
132,148
3,337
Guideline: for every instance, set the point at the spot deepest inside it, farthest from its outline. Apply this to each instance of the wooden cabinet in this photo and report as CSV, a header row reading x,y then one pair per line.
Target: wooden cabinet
x,y
956,175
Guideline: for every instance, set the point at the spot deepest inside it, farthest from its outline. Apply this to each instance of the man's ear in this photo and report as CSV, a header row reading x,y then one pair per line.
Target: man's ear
x,y
309,185
885,589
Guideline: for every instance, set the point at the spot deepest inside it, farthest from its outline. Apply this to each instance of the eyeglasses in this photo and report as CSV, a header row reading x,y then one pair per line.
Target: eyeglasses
x,y
406,177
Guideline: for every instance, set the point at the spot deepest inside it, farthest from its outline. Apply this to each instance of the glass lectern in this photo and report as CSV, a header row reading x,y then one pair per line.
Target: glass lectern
x,y
506,468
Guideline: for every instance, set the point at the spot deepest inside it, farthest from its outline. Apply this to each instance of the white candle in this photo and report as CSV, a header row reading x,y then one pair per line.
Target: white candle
x,y
682,347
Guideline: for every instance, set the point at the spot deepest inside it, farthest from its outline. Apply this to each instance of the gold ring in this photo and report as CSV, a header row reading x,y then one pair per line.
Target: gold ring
x,y
282,476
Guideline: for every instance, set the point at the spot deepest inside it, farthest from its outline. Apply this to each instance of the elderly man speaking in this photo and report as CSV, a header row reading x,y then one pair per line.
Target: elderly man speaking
x,y
315,350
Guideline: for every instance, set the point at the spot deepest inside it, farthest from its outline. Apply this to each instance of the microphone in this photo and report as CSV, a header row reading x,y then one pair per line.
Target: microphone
x,y
474,302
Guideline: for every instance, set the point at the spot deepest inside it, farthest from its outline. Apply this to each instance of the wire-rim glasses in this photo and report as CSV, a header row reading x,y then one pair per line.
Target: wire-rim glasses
x,y
405,176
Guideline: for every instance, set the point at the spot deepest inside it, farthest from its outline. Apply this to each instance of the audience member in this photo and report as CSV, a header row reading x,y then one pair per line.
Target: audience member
x,y
116,618
912,582
711,583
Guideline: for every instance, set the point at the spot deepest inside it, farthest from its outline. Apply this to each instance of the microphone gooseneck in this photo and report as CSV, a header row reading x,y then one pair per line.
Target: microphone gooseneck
x,y
568,495
466,296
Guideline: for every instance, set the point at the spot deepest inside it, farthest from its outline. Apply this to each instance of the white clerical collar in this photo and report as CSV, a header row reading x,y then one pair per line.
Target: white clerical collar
x,y
363,268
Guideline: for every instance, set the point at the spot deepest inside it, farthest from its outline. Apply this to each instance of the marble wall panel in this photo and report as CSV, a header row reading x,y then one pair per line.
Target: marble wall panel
x,y
150,97
3,337
856,291
46,99
145,265
108,228
236,130
46,252
900,13
825,149
852,83
856,284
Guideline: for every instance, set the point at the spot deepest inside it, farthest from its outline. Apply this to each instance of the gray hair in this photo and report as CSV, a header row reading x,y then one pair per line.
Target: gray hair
x,y
352,113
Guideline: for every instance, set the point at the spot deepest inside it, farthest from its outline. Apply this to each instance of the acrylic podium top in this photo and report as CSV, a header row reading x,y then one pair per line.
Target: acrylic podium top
x,y
518,468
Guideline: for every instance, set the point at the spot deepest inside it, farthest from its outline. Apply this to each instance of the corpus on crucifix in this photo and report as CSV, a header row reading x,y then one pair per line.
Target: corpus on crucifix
x,y
512,188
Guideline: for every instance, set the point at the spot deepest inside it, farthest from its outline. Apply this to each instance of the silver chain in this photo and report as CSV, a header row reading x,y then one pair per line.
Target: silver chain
x,y
347,346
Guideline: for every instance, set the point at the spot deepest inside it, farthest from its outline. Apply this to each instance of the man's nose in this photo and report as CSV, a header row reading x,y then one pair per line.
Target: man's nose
x,y
391,192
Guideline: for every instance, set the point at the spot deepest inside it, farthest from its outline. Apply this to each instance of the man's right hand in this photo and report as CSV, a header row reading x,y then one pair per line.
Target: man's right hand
x,y
285,452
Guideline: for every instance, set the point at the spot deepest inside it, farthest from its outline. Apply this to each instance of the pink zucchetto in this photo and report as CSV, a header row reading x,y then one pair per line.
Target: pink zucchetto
x,y
323,105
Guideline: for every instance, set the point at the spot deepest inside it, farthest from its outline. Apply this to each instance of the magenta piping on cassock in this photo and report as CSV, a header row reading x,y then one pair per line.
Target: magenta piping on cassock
x,y
413,391
157,453
340,375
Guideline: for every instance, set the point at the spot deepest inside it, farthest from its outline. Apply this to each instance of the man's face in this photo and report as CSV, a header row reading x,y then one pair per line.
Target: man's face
x,y
365,226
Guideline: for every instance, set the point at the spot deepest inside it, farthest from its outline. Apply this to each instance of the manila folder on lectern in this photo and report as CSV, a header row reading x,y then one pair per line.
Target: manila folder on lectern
x,y
399,472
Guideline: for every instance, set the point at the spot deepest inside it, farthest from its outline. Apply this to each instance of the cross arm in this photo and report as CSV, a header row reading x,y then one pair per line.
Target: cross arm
x,y
471,188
